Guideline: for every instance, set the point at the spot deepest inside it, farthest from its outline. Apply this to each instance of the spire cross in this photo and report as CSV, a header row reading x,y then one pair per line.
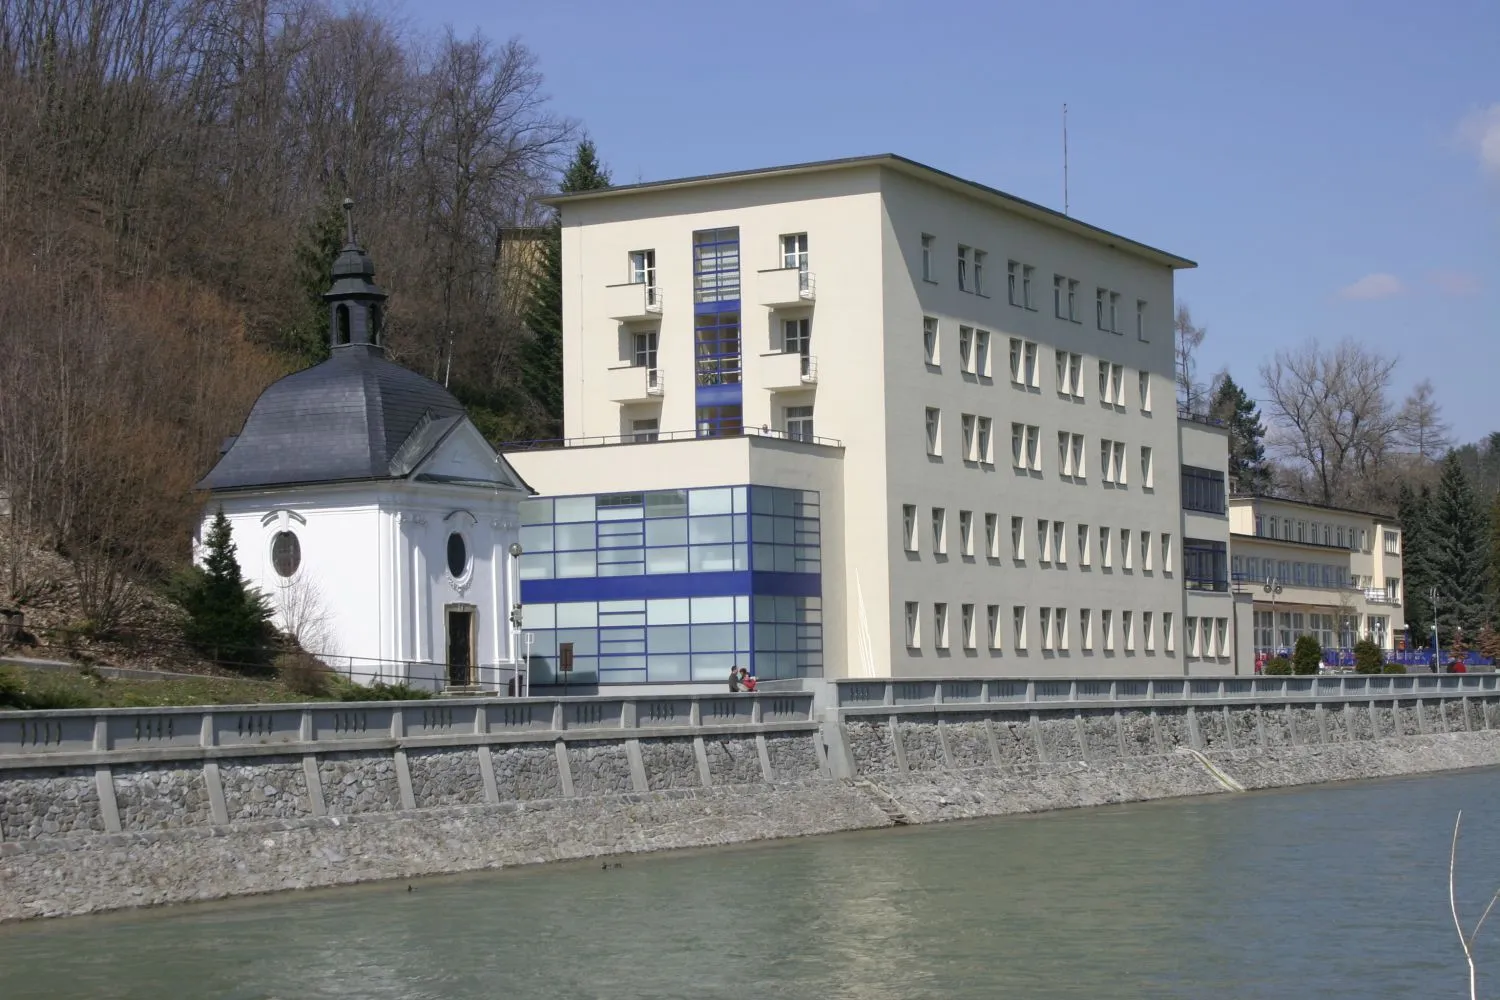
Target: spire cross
x,y
349,219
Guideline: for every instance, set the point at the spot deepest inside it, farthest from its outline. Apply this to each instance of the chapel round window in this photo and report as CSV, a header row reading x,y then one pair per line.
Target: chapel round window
x,y
286,553
458,556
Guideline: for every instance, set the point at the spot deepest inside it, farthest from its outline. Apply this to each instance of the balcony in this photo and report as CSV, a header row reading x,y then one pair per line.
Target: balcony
x,y
788,370
1375,595
633,384
632,302
786,286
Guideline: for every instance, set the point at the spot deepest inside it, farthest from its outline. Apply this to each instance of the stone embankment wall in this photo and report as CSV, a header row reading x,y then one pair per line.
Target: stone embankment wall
x,y
117,808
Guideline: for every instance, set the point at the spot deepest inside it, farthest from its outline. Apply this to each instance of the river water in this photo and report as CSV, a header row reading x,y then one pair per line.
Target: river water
x,y
1337,891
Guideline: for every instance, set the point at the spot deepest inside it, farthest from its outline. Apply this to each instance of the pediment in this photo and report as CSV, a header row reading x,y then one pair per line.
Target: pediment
x,y
462,455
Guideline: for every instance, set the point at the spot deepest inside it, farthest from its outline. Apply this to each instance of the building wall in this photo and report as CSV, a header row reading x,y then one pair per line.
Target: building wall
x,y
949,481
1216,629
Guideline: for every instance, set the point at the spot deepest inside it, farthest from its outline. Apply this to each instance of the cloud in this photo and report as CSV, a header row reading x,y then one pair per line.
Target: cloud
x,y
1480,132
1455,282
1373,286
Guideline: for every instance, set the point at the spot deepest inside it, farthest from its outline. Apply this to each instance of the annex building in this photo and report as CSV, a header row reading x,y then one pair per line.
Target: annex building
x,y
865,418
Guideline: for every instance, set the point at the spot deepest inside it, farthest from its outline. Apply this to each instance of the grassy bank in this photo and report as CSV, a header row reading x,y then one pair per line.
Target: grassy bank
x,y
36,689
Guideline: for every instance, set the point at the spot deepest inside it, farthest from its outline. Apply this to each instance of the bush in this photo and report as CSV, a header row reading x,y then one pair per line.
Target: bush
x,y
1279,666
382,692
1368,658
41,690
304,674
1307,656
1393,668
228,621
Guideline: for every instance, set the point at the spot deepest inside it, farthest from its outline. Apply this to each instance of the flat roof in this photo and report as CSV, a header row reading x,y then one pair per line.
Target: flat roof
x,y
901,164
1389,519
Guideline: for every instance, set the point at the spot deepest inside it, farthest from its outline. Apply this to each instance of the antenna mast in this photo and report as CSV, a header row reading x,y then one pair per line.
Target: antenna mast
x,y
1065,159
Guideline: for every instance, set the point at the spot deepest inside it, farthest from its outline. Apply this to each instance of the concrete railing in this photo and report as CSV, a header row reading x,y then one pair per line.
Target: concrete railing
x,y
100,735
957,692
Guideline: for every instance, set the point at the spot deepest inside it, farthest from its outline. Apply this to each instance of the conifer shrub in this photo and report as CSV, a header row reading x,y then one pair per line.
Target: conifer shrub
x,y
1278,666
1368,658
1307,655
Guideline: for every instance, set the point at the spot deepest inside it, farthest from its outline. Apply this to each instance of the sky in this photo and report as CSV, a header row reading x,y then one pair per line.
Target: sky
x,y
1332,166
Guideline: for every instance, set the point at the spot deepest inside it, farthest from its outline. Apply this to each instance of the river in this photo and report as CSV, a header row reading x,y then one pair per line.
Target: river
x,y
1334,891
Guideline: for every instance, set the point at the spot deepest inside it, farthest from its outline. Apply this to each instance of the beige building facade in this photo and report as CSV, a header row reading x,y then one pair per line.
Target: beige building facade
x,y
974,392
1323,571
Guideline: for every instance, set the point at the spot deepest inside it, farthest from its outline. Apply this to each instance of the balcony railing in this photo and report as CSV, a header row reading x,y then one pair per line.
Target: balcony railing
x,y
634,383
632,301
598,440
787,286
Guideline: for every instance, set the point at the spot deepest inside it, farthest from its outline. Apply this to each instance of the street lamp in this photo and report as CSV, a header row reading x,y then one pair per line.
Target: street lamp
x,y
1273,587
515,616
1437,649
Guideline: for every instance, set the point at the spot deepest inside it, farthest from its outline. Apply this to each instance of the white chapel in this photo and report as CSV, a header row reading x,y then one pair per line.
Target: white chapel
x,y
376,517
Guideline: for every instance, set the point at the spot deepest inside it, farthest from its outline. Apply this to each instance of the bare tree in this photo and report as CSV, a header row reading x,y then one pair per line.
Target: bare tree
x,y
1330,418
1420,427
302,613
1192,397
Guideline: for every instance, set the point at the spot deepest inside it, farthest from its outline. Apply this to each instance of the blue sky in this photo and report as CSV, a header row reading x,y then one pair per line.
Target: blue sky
x,y
1334,167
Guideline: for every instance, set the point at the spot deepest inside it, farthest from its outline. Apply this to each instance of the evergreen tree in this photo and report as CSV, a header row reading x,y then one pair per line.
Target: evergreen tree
x,y
1307,655
1416,561
541,375
1248,469
1460,548
1493,598
227,621
306,340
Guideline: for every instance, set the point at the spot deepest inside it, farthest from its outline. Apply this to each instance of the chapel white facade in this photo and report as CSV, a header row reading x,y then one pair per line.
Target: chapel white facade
x,y
375,516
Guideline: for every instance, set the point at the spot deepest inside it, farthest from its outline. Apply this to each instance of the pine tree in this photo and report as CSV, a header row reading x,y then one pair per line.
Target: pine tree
x,y
306,340
1416,561
1248,470
541,374
227,621
1460,548
1492,609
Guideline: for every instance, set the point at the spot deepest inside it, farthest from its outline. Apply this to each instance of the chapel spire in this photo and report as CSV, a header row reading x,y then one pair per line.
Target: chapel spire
x,y
356,303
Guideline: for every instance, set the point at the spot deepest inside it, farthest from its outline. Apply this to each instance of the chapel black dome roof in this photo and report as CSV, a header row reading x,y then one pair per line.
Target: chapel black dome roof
x,y
345,419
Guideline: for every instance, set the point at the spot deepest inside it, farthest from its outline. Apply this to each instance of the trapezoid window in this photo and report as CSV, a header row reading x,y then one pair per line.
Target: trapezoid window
x,y
458,556
375,331
341,317
286,553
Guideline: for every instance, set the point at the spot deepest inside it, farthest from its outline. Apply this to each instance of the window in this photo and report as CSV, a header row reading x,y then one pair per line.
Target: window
x,y
966,622
982,353
963,268
1392,543
1117,384
1017,373
1205,565
796,337
794,252
1190,637
913,634
1026,275
1075,375
1103,381
1079,472
1148,474
1127,625
926,257
1046,614
1033,374
966,348
1034,447
909,527
1060,624
1059,543
645,430
1145,389
1083,545
1018,538
1043,540
1148,630
1070,454
1221,626
940,625
1127,554
1340,534
1119,459
643,272
979,256
1018,625
1107,624
992,618
986,441
1101,299
286,553
1166,552
934,431
1018,445
992,536
716,265
644,355
1203,490
458,556
1013,282
1107,460
1059,291
1114,312
799,423
1393,589
1073,301
930,340
1146,551
1168,639
966,532
939,531
966,431
1086,629
1140,319
1104,554
1062,373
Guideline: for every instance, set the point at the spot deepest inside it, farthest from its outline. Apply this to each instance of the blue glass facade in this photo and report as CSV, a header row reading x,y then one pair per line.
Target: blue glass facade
x,y
673,585
718,392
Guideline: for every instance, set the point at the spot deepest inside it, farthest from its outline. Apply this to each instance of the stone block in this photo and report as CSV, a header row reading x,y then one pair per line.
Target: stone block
x,y
161,796
920,739
1014,738
1244,728
445,777
526,771
359,782
870,745
1277,726
1453,715
257,788
732,760
1385,720
1362,728
49,803
1059,736
1101,736
1173,724
793,756
1476,714
1305,722
670,763
968,744
1406,718
599,767
1140,738
1211,728
1336,724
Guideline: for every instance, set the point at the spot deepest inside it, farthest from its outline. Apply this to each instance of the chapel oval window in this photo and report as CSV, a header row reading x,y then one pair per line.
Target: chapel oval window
x,y
458,556
286,553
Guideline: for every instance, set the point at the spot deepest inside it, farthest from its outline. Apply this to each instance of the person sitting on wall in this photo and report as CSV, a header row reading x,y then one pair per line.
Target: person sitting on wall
x,y
746,681
734,679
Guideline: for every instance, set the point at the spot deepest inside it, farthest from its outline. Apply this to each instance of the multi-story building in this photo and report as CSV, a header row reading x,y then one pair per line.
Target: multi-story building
x,y
1323,571
865,418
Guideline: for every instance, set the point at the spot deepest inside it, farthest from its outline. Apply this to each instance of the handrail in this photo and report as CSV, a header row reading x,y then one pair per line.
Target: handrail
x,y
548,444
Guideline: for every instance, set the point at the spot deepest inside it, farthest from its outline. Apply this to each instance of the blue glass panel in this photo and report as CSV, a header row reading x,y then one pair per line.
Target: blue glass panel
x,y
672,668
667,531
536,537
667,639
575,508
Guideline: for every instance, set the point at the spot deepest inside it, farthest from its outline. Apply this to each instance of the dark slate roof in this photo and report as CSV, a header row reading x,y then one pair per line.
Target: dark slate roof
x,y
356,416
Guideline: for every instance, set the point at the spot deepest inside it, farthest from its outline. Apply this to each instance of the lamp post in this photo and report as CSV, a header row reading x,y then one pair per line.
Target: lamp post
x,y
515,616
1273,587
1437,648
